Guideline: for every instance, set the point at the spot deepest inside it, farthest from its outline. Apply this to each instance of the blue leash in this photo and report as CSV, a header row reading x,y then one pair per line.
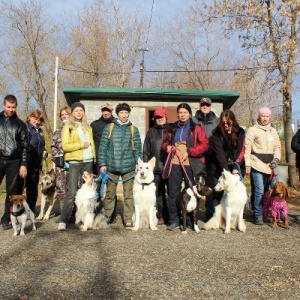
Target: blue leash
x,y
237,166
104,177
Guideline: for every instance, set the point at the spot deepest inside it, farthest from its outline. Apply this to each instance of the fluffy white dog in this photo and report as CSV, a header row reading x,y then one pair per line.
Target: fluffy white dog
x,y
144,196
231,207
86,204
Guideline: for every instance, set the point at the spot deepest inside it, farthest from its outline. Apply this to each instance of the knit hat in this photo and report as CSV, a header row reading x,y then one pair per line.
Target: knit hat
x,y
160,112
206,100
123,106
77,104
264,111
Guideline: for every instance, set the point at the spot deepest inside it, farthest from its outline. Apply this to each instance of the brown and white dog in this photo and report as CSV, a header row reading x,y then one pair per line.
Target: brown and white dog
x,y
189,201
47,182
274,203
19,213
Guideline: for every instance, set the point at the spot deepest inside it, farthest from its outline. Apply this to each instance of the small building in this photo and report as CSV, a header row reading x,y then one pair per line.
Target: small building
x,y
145,101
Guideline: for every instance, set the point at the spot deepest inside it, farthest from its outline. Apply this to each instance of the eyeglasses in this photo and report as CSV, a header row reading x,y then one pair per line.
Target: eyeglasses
x,y
229,123
205,104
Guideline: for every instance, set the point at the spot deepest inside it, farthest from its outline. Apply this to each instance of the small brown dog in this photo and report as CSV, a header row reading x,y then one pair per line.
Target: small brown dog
x,y
275,202
19,213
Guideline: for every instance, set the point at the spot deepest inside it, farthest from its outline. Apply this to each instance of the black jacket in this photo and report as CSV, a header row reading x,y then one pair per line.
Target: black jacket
x,y
225,153
98,127
152,146
13,139
295,145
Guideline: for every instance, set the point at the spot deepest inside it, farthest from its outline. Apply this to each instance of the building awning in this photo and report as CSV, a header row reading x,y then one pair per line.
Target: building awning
x,y
227,98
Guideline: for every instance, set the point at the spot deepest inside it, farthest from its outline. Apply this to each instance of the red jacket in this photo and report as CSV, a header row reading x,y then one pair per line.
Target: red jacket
x,y
197,143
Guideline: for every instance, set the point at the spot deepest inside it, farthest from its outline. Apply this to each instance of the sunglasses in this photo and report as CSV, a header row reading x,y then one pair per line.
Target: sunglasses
x,y
229,123
205,104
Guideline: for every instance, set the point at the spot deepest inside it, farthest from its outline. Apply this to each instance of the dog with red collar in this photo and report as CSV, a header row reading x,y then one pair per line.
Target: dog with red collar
x,y
20,213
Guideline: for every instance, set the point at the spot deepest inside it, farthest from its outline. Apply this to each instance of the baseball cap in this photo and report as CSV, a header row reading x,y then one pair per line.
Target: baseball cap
x,y
206,100
107,105
160,112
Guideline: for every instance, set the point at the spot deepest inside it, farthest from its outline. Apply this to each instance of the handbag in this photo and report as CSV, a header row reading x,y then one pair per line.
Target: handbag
x,y
59,161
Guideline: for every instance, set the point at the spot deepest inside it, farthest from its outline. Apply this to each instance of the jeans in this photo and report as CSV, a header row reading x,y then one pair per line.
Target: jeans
x,y
75,172
174,187
14,186
259,185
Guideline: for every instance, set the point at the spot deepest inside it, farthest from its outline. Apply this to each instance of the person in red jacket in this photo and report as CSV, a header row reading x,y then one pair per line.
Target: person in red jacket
x,y
188,142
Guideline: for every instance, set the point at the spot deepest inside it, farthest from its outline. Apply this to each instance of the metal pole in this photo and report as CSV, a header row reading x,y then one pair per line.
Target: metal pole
x,y
55,94
142,67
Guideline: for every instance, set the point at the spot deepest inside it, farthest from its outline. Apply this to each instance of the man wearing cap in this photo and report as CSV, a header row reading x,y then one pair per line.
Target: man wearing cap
x,y
208,121
98,126
262,154
152,147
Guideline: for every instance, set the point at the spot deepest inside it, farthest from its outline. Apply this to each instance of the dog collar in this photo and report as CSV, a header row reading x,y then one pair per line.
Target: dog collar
x,y
143,184
18,213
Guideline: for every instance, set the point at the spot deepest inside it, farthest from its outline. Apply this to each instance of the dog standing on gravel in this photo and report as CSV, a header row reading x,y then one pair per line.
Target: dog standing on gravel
x,y
87,206
47,182
144,196
20,213
189,201
231,207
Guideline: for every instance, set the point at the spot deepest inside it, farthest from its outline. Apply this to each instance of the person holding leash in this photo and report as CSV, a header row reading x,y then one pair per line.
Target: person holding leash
x,y
187,143
78,146
119,151
37,152
262,154
13,153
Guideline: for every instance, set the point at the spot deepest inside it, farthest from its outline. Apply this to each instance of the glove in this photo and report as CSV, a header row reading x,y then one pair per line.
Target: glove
x,y
274,163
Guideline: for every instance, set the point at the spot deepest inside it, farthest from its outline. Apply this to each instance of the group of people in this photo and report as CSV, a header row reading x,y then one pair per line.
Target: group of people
x,y
198,148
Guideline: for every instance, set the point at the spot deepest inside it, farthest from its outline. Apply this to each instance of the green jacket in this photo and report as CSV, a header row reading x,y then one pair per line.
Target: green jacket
x,y
117,153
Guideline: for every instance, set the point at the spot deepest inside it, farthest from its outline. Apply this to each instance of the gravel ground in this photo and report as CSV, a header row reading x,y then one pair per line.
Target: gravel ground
x,y
116,263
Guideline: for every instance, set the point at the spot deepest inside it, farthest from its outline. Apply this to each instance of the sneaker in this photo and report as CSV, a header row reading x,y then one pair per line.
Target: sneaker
x,y
129,225
172,226
161,221
62,226
6,226
259,221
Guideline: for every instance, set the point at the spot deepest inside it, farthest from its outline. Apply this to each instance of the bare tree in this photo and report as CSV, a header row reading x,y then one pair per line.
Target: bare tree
x,y
28,42
269,30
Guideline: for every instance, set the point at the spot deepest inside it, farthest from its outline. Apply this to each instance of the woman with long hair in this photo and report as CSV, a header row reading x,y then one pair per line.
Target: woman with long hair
x,y
78,146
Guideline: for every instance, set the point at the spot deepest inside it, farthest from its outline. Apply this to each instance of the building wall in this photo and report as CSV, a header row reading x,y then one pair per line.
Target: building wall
x,y
139,108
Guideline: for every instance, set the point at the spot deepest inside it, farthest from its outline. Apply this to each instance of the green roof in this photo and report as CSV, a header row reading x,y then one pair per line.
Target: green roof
x,y
227,98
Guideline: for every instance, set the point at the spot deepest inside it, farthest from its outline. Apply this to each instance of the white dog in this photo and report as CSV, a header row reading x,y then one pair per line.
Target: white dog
x,y
86,204
144,196
20,213
231,207
48,194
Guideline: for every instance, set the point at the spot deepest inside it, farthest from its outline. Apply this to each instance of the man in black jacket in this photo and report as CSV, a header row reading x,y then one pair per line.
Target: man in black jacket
x,y
98,126
13,153
208,121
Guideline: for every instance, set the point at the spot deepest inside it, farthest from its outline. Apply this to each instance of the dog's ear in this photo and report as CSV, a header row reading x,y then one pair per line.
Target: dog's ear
x,y
139,161
288,193
23,197
11,198
152,162
52,172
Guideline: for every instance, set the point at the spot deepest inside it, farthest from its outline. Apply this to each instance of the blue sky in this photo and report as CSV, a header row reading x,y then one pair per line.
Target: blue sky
x,y
161,8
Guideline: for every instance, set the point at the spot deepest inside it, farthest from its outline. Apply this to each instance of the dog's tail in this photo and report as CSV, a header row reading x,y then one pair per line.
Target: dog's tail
x,y
214,222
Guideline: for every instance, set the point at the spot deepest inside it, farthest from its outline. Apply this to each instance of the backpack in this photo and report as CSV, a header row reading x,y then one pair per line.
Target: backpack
x,y
111,127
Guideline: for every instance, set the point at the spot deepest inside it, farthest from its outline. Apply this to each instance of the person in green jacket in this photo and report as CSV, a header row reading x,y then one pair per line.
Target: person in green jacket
x,y
119,150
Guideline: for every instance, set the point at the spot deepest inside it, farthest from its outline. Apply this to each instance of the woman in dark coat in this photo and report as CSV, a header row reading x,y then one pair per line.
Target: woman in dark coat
x,y
189,143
